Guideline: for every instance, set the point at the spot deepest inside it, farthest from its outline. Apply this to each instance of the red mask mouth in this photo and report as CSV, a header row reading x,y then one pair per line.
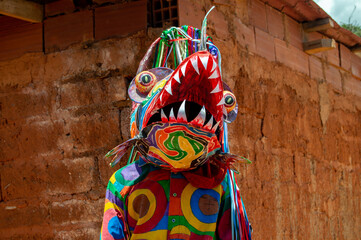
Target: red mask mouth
x,y
192,95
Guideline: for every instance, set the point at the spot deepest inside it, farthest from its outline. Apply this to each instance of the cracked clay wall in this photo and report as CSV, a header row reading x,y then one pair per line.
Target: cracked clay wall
x,y
299,122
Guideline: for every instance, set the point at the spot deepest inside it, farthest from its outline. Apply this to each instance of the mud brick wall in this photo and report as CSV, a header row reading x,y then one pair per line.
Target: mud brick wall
x,y
64,105
299,122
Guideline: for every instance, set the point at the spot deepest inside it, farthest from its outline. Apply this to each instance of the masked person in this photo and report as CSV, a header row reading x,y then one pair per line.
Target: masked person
x,y
179,182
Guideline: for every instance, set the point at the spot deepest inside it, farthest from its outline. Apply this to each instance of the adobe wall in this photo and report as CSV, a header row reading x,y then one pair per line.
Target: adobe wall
x,y
299,122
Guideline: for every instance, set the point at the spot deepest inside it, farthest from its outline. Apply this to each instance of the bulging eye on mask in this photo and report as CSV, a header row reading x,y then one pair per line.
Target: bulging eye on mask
x,y
144,82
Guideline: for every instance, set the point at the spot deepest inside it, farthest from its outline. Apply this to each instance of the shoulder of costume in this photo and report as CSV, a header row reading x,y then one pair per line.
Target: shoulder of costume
x,y
131,174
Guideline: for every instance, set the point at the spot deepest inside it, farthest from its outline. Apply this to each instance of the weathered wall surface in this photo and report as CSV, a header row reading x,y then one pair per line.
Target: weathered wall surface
x,y
299,122
60,113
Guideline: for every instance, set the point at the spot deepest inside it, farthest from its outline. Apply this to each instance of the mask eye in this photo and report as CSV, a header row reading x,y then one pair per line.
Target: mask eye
x,y
229,101
145,82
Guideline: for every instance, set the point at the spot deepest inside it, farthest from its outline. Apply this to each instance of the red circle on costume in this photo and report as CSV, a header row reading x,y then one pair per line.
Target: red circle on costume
x,y
160,204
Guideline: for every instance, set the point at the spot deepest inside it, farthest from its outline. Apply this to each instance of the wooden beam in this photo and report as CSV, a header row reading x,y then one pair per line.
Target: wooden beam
x,y
356,50
319,45
318,25
22,9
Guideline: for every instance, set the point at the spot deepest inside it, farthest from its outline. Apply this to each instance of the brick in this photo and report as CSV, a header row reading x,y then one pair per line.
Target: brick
x,y
89,130
77,211
352,85
333,56
59,7
125,122
333,77
99,2
345,57
62,31
316,68
282,51
74,62
356,65
39,138
24,179
300,60
9,145
79,233
265,45
275,19
23,105
33,139
257,13
191,13
24,72
27,233
291,56
21,214
245,35
93,91
132,17
330,56
69,176
219,25
18,37
293,33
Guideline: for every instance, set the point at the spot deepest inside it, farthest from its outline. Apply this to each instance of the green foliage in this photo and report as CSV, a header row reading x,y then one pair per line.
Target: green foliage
x,y
353,27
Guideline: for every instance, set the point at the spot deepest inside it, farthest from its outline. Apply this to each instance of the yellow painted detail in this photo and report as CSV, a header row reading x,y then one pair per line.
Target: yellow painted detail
x,y
187,211
180,229
152,204
186,161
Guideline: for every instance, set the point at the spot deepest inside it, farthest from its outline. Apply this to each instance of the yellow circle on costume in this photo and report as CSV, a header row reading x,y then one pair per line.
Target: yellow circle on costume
x,y
180,229
152,204
187,210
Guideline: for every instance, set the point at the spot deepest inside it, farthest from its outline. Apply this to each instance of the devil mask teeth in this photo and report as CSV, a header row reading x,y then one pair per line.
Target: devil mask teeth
x,y
185,112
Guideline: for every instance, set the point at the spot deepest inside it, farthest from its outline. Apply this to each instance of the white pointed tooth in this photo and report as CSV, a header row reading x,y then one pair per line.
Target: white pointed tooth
x,y
163,116
168,88
194,62
224,110
209,125
217,88
183,68
214,75
171,115
204,61
176,77
214,128
200,119
221,102
182,117
214,65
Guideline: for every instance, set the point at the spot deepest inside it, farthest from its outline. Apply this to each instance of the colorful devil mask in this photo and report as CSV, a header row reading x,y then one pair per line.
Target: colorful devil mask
x,y
179,116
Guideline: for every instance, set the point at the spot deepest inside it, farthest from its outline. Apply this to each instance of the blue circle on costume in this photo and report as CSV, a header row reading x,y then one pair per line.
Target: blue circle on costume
x,y
195,205
116,228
